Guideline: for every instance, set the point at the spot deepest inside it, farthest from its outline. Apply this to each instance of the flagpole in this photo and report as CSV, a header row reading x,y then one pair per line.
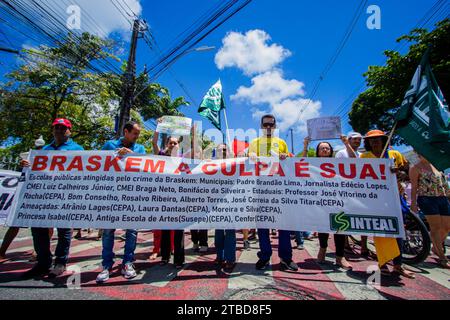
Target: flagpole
x,y
389,140
226,125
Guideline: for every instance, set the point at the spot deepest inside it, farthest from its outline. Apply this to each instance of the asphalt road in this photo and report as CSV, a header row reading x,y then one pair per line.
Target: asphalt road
x,y
201,280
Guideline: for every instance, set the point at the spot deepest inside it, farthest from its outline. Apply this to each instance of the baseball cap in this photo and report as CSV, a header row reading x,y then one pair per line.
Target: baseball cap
x,y
375,134
63,122
39,142
352,135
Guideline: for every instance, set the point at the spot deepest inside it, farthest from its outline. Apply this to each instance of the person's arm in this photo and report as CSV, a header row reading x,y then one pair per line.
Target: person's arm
x,y
351,153
414,177
155,146
252,150
284,154
306,142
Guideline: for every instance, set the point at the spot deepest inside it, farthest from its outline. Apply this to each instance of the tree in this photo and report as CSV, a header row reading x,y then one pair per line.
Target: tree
x,y
377,106
58,82
64,82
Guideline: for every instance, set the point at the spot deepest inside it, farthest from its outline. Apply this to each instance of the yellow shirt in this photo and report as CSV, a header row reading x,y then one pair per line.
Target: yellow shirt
x,y
387,248
399,159
263,146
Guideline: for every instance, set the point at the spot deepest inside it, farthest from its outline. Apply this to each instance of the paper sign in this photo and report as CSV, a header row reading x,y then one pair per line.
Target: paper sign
x,y
178,126
324,128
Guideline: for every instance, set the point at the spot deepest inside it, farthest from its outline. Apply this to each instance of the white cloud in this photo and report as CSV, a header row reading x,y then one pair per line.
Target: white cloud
x,y
269,92
250,52
295,113
269,87
99,16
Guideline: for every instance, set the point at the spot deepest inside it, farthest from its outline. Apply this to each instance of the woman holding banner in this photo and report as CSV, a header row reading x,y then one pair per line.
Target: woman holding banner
x,y
168,240
199,237
225,240
376,143
325,150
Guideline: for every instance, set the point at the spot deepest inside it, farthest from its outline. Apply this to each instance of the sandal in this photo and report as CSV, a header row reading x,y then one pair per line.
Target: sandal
x,y
403,272
444,263
153,256
384,271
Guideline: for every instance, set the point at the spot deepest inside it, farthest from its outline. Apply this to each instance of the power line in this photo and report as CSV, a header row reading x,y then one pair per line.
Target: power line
x,y
334,57
344,107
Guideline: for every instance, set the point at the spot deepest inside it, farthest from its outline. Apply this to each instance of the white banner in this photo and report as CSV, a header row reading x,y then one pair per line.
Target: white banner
x,y
324,128
98,189
178,126
8,184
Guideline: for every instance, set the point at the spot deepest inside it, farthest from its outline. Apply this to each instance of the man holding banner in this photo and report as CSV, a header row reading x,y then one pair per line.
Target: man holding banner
x,y
41,238
125,145
270,146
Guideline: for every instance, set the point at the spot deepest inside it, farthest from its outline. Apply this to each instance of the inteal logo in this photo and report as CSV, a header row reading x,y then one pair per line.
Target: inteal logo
x,y
342,222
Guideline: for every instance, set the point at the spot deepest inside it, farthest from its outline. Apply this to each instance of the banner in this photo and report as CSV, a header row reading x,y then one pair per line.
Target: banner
x,y
324,128
177,126
99,189
8,184
424,117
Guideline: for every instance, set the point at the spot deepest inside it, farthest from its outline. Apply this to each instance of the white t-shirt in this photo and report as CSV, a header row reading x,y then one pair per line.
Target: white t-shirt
x,y
344,154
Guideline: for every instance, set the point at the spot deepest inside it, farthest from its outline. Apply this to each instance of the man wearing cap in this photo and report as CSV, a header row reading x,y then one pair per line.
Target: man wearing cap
x,y
355,139
125,145
41,239
388,249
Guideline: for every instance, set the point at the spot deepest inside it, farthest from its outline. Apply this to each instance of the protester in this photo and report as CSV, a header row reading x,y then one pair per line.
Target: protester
x,y
300,237
225,240
157,235
12,232
198,237
354,139
41,236
325,150
123,146
431,193
170,239
374,144
269,146
171,148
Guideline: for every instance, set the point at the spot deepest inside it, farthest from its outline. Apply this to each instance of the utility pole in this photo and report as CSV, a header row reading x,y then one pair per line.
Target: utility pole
x,y
292,141
129,80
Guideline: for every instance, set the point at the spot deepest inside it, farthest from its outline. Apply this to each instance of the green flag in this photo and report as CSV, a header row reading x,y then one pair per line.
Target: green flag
x,y
424,117
212,104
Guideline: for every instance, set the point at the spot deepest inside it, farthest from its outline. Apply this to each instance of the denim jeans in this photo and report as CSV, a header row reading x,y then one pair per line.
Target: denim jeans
x,y
41,243
284,245
225,243
108,247
300,236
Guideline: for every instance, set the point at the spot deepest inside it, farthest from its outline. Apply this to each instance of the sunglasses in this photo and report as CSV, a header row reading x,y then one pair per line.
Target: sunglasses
x,y
268,125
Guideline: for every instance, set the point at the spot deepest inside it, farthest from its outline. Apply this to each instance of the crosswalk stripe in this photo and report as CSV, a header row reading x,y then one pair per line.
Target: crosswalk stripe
x,y
245,276
432,272
351,288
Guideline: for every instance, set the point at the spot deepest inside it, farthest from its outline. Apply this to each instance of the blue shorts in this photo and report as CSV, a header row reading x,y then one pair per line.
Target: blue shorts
x,y
433,206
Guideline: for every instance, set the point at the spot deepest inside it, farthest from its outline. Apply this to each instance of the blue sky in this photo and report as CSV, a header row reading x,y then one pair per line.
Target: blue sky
x,y
308,33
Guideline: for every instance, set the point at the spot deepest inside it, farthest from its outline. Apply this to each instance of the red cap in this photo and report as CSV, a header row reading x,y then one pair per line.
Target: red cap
x,y
63,122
